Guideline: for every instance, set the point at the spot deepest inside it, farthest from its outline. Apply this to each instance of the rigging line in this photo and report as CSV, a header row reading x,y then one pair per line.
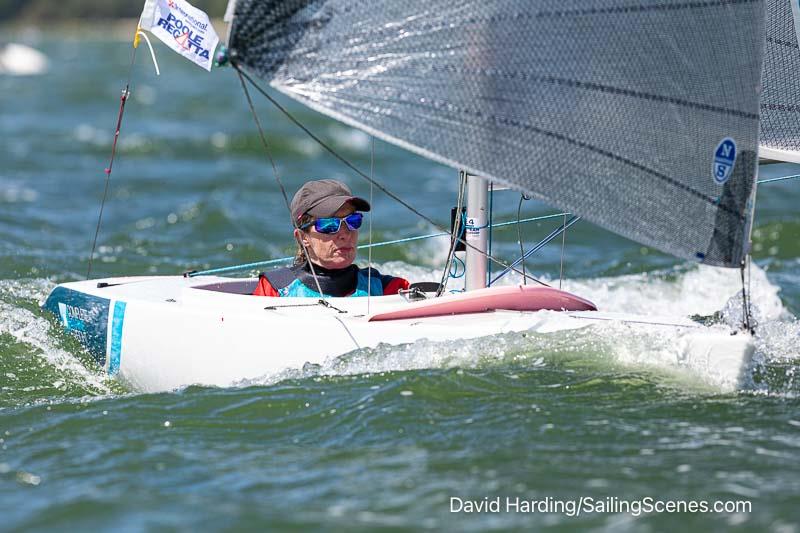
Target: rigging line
x,y
349,333
326,303
553,234
245,266
749,291
519,238
322,300
323,303
745,305
563,242
770,180
448,266
352,167
278,179
276,307
369,252
123,99
459,228
491,218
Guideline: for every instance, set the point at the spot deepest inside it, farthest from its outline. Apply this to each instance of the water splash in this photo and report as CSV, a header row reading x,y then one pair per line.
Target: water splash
x,y
612,346
39,363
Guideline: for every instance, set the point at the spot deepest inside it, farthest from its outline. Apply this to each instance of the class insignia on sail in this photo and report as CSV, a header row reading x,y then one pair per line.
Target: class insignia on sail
x,y
724,159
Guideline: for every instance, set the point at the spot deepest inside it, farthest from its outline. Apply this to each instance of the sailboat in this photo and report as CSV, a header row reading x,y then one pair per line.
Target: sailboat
x,y
641,117
18,59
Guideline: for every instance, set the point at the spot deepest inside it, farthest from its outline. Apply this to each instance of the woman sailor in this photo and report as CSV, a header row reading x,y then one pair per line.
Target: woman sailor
x,y
327,217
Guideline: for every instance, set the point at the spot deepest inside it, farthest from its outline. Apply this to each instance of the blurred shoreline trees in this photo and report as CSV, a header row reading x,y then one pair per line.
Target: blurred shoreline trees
x,y
35,11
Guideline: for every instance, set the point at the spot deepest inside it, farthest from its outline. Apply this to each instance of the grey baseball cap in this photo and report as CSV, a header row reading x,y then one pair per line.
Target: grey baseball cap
x,y
322,198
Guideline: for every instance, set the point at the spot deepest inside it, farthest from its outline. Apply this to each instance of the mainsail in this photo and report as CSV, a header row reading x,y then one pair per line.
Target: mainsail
x,y
780,99
642,116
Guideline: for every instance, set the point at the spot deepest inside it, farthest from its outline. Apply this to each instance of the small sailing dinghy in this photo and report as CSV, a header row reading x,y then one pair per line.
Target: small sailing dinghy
x,y
642,118
21,60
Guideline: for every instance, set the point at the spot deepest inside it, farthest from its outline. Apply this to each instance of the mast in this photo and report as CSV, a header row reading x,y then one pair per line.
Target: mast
x,y
476,232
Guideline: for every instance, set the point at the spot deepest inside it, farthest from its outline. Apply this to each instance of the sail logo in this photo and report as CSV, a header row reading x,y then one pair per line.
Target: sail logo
x,y
724,160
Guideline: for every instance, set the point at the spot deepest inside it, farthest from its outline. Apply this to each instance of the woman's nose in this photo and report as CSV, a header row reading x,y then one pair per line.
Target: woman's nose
x,y
345,231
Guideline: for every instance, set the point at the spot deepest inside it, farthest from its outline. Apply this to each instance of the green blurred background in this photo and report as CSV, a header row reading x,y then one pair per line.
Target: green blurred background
x,y
36,11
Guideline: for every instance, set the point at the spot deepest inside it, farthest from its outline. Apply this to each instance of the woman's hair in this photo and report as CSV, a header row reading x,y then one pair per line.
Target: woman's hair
x,y
300,254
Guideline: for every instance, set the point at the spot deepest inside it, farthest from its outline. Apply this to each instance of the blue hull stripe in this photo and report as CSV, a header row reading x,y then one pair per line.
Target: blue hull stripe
x,y
62,311
116,337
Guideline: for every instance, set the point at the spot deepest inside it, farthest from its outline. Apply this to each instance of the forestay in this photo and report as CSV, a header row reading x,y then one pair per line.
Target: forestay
x,y
642,116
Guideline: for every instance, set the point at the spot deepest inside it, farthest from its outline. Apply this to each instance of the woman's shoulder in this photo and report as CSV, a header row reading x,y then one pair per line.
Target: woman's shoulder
x,y
391,284
280,277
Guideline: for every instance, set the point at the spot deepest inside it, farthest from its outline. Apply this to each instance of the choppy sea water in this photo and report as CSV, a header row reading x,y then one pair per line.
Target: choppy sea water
x,y
391,437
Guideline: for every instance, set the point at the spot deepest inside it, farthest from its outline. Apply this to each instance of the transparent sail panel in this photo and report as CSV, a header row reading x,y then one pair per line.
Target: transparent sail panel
x,y
642,116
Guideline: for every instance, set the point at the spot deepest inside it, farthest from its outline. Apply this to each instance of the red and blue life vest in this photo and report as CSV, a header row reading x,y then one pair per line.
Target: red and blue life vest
x,y
297,281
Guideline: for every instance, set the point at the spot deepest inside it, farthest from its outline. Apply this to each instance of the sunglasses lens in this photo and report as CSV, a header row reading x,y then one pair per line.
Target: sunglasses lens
x,y
354,221
327,225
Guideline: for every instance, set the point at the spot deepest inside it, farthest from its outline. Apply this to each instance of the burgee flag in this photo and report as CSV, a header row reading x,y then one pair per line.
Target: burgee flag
x,y
182,27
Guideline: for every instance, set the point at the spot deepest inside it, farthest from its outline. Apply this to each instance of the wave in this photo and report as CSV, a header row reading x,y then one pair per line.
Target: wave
x,y
685,291
38,363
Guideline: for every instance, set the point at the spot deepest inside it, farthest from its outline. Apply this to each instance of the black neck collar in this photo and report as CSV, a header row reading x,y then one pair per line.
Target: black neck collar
x,y
336,282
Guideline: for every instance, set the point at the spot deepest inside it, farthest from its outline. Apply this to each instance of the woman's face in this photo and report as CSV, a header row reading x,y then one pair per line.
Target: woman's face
x,y
331,250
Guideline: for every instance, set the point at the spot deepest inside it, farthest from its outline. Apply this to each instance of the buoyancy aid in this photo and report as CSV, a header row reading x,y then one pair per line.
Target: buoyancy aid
x,y
297,281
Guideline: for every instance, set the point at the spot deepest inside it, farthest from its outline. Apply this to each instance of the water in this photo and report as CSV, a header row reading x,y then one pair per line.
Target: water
x,y
380,438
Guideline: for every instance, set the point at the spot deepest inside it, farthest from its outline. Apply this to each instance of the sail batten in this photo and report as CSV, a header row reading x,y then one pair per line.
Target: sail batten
x,y
642,116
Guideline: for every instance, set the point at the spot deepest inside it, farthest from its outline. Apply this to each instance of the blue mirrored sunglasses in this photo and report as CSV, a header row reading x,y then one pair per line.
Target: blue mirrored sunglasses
x,y
334,224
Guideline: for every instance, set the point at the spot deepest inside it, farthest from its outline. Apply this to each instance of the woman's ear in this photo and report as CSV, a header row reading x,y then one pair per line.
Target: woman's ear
x,y
300,238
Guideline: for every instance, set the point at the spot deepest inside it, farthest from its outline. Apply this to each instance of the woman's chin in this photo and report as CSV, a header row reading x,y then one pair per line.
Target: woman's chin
x,y
339,262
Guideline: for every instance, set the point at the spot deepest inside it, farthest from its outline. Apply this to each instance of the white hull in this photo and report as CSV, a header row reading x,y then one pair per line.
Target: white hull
x,y
162,333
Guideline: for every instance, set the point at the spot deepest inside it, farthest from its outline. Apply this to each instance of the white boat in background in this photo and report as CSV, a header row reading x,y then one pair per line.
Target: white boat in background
x,y
22,60
644,120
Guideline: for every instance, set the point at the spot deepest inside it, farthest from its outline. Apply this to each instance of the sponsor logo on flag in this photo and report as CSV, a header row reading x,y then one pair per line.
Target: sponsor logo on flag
x,y
182,27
